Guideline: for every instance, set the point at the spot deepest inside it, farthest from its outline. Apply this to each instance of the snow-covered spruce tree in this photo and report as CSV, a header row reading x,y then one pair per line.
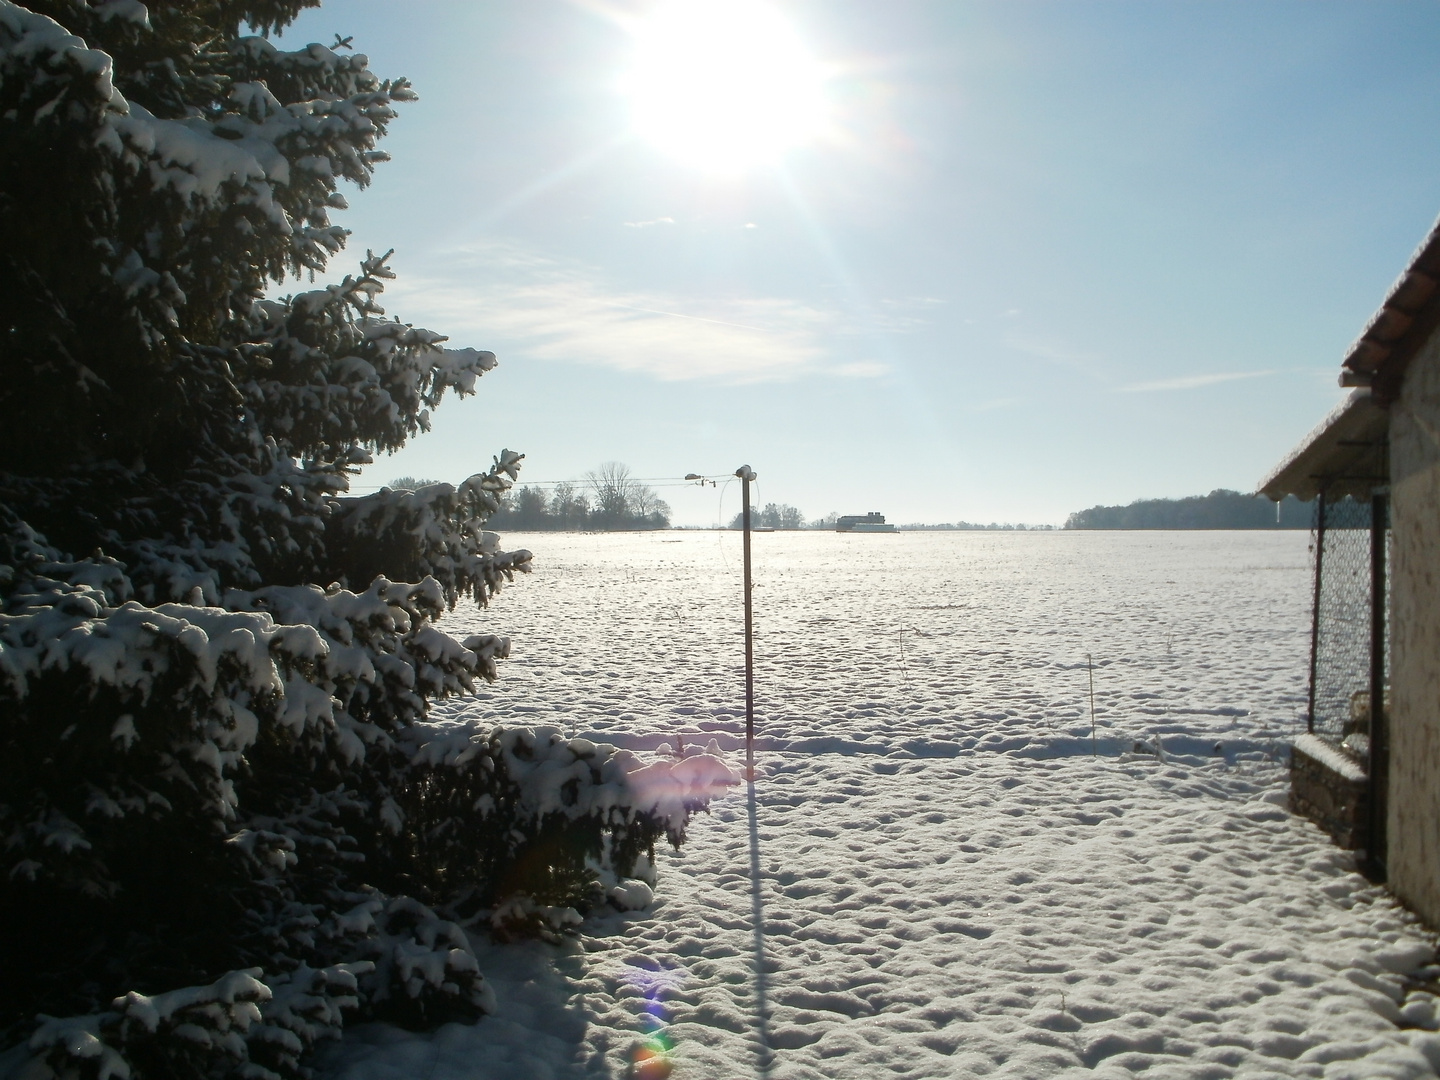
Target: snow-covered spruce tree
x,y
225,820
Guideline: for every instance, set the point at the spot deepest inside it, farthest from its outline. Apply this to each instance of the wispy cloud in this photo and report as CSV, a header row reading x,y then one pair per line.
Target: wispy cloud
x,y
863,369
1191,382
647,224
1087,363
509,299
904,314
912,301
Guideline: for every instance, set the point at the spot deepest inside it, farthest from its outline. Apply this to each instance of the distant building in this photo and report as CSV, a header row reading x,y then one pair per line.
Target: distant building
x,y
1369,768
871,522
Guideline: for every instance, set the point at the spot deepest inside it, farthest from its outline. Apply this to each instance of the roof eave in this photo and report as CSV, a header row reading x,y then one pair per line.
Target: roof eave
x,y
1343,455
1405,321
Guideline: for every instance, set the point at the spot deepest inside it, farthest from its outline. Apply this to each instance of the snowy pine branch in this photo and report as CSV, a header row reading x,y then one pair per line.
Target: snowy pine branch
x,y
436,531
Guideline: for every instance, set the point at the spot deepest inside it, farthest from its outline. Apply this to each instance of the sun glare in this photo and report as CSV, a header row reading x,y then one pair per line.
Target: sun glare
x,y
724,85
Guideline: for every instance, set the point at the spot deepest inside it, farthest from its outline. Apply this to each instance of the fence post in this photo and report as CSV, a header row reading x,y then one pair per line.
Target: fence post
x,y
1320,505
1379,764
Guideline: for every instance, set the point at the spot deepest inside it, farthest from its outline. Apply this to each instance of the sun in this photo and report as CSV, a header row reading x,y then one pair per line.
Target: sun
x,y
724,85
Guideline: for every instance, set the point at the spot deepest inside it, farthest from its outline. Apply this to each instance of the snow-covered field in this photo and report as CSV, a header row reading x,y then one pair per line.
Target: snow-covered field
x,y
939,871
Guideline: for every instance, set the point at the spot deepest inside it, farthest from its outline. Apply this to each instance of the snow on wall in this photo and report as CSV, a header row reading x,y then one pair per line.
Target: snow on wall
x,y
1339,763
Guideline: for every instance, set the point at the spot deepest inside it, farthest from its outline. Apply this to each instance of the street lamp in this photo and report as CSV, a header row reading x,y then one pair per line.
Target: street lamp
x,y
746,475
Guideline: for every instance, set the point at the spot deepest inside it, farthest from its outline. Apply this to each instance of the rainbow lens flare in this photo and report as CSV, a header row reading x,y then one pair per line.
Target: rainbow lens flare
x,y
650,1058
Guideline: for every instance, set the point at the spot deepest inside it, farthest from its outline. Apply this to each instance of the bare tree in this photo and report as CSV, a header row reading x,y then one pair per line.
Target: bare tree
x,y
622,502
614,491
647,504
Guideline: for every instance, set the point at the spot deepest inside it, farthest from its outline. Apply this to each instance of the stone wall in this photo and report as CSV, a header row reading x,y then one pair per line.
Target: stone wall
x,y
1414,790
1331,790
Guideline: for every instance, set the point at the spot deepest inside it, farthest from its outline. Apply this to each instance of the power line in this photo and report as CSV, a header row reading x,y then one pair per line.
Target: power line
x,y
658,481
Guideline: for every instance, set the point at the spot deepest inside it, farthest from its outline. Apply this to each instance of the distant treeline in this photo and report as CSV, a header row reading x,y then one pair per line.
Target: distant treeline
x,y
969,526
1221,509
609,499
784,516
777,516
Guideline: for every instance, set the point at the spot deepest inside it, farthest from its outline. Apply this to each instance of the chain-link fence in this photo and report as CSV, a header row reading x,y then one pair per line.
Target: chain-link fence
x,y
1344,629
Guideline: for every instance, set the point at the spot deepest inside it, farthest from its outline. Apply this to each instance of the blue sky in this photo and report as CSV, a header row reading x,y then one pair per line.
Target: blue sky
x,y
1042,255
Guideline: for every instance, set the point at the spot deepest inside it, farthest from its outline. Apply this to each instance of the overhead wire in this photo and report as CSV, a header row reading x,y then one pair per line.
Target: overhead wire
x,y
657,481
720,528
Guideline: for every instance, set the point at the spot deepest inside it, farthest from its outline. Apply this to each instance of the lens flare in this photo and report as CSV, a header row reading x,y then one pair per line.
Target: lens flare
x,y
650,1057
649,1061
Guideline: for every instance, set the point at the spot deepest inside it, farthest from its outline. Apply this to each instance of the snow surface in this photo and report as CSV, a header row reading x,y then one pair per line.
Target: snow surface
x,y
931,875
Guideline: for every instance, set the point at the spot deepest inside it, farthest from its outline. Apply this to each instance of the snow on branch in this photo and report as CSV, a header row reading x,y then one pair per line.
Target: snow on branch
x,y
437,531
325,371
195,1031
180,694
502,796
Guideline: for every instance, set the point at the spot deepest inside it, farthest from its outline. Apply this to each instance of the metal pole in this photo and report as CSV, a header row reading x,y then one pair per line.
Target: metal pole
x,y
1315,612
1089,663
747,474
1379,765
